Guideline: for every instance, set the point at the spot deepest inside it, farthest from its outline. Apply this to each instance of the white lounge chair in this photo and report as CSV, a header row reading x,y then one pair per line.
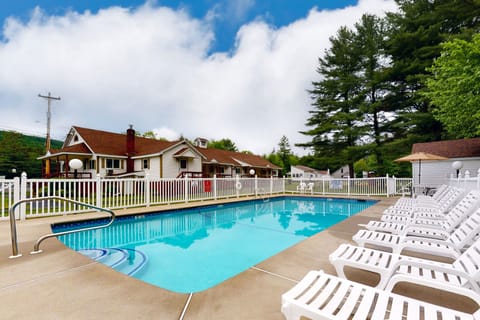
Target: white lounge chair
x,y
466,233
430,212
421,199
322,296
463,272
433,228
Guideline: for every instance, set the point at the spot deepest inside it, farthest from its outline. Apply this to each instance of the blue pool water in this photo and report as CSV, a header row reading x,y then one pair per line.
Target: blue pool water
x,y
194,249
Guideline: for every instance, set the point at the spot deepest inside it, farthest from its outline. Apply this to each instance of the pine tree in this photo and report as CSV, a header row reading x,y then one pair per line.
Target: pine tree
x,y
336,118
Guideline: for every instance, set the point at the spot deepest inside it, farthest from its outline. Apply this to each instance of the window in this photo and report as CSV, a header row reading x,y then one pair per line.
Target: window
x,y
92,164
113,164
145,163
183,163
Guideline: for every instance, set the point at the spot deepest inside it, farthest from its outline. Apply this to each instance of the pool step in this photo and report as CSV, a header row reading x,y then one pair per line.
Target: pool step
x,y
125,260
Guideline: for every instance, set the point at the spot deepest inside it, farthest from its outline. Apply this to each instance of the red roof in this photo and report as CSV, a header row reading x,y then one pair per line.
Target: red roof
x,y
103,142
461,148
230,157
115,144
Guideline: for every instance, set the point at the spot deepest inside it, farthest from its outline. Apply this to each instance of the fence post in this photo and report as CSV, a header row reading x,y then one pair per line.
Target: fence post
x,y
237,181
99,191
284,187
215,187
388,186
348,186
23,194
186,188
271,185
256,186
16,192
147,190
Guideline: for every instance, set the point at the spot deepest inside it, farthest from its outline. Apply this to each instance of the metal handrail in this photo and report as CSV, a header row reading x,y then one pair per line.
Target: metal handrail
x,y
13,225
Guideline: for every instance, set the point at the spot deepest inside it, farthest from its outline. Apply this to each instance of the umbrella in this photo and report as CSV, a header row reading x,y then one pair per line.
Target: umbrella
x,y
419,156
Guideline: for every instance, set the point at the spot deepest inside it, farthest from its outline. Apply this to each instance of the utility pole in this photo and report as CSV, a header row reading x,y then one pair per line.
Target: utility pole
x,y
47,142
49,115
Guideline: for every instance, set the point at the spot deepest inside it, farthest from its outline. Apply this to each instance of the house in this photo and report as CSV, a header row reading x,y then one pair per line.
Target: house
x,y
127,155
342,172
306,173
435,173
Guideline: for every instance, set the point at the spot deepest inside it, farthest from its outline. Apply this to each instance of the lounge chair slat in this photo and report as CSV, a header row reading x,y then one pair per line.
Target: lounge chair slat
x,y
366,301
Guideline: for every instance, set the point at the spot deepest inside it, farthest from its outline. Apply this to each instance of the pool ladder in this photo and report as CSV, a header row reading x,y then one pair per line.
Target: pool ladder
x,y
36,248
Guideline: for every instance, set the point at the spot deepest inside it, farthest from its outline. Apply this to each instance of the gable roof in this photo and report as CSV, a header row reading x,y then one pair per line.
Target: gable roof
x,y
460,148
115,144
310,170
235,158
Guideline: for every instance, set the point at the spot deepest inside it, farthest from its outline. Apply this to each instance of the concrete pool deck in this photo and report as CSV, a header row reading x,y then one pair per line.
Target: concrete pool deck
x,y
63,284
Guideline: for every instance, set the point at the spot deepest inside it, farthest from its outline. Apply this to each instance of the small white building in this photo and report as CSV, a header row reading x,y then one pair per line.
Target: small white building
x,y
342,172
435,173
307,173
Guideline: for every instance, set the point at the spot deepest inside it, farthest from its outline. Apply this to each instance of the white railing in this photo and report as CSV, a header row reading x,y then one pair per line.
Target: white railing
x,y
382,186
145,192
466,181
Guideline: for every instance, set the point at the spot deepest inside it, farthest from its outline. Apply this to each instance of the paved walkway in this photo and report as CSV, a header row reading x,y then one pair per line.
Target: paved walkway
x,y
62,284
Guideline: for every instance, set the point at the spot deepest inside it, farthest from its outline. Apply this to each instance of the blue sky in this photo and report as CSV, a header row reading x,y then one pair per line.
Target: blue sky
x,y
206,68
231,14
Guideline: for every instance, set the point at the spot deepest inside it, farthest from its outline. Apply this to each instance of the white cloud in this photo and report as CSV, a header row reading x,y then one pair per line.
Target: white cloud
x,y
150,67
166,133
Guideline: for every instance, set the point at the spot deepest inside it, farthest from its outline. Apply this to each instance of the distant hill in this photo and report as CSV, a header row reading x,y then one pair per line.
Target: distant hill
x,y
20,152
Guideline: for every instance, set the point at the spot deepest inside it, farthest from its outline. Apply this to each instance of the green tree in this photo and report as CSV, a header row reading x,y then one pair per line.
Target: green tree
x,y
416,32
378,113
284,154
20,152
224,144
336,121
454,87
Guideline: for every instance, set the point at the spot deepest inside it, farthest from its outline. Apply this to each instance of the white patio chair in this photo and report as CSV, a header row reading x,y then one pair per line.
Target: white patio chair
x,y
432,228
464,272
301,187
310,186
453,246
322,296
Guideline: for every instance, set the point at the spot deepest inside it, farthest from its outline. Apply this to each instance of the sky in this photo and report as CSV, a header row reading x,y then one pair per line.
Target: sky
x,y
236,69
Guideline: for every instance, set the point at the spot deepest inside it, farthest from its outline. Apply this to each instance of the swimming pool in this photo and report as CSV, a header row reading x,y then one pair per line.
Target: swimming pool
x,y
191,250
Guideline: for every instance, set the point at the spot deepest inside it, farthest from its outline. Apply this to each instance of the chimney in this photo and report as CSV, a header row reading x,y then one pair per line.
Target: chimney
x,y
130,148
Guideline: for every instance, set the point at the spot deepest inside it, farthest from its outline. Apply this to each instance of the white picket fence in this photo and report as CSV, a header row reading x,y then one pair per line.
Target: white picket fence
x,y
146,192
466,181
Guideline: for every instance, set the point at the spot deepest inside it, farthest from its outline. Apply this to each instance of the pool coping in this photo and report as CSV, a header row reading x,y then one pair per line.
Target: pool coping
x,y
61,283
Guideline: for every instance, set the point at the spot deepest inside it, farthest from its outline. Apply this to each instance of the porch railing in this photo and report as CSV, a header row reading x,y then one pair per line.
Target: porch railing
x,y
125,193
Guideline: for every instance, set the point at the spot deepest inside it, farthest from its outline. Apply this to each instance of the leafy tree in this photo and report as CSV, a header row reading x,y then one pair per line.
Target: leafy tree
x,y
336,118
20,152
454,87
224,144
416,32
284,153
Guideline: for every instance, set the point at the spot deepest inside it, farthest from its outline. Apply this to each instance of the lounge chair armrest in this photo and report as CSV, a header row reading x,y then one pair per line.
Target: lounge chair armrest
x,y
437,241
437,231
435,284
435,266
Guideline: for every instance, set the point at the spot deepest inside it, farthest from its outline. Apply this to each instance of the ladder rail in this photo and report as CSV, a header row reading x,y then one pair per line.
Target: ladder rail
x,y
13,225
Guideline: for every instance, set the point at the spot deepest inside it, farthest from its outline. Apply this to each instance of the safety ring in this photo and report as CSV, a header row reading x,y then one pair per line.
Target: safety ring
x,y
238,185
